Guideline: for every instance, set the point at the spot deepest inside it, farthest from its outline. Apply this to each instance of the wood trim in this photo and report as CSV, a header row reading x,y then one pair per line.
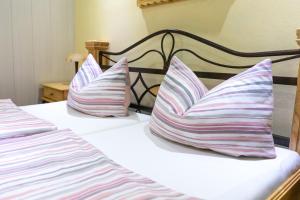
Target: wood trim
x,y
154,90
146,3
62,86
289,190
298,36
295,136
45,99
94,47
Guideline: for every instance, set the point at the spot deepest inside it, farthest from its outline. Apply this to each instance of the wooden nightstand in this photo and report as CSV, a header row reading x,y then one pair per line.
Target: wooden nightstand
x,y
53,92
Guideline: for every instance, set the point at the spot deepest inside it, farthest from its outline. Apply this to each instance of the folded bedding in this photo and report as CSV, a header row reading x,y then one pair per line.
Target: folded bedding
x,y
15,122
61,165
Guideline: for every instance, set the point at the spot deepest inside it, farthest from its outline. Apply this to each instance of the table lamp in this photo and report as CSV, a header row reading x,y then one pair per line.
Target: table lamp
x,y
76,58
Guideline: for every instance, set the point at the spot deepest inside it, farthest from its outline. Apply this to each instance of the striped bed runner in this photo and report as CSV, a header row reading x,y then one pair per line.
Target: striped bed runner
x,y
15,122
60,165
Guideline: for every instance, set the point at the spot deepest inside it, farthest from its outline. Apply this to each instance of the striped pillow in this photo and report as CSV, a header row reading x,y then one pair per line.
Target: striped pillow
x,y
101,94
234,118
183,86
88,72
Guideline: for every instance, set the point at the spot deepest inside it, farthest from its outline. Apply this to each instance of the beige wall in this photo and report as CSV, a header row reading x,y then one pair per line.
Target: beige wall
x,y
244,25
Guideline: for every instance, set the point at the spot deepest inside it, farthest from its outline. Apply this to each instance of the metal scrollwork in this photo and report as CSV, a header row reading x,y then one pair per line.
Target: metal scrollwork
x,y
167,56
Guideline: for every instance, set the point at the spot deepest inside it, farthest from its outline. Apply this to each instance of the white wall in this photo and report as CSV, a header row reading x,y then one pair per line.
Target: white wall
x,y
35,37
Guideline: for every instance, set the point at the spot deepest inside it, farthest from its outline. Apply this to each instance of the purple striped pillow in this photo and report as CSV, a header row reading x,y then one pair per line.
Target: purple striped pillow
x,y
234,118
101,94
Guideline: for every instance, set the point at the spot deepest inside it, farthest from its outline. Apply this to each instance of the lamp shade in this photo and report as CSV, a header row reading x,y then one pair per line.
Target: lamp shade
x,y
75,57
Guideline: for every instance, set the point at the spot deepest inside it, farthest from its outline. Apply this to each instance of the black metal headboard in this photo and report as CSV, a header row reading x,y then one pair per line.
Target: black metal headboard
x,y
166,58
282,55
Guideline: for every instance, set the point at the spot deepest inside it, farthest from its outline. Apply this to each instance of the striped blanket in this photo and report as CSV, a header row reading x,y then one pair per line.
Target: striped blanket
x,y
60,165
15,122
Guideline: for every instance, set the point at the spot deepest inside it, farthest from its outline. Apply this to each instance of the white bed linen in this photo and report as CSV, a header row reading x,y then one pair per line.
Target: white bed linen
x,y
198,173
64,116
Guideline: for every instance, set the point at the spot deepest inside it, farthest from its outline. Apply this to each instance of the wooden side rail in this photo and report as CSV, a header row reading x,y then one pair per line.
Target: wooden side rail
x,y
289,190
295,136
94,47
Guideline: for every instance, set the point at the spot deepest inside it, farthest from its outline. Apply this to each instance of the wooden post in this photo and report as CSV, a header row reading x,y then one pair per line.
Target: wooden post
x,y
295,137
94,47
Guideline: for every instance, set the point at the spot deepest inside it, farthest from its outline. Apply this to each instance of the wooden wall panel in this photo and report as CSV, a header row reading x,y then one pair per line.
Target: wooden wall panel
x,y
6,51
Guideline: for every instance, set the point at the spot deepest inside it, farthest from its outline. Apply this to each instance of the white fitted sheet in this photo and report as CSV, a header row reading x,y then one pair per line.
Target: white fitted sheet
x,y
195,172
64,116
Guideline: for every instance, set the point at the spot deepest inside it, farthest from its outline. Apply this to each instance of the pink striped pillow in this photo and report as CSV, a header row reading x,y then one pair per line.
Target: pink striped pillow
x,y
101,94
234,118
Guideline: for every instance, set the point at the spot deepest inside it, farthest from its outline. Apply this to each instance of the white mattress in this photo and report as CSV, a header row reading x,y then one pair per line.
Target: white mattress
x,y
65,117
202,174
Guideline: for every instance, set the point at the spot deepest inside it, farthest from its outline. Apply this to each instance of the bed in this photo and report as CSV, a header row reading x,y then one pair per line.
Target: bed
x,y
197,173
131,137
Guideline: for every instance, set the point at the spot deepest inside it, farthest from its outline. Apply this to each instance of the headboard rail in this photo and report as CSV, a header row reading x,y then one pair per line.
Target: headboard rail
x,y
288,54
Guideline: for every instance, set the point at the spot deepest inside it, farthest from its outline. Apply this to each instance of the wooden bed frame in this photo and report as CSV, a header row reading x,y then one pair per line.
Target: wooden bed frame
x,y
290,189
